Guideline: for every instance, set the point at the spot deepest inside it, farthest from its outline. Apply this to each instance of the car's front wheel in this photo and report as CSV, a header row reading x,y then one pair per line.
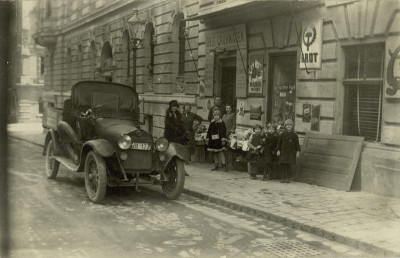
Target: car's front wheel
x,y
175,179
52,165
95,177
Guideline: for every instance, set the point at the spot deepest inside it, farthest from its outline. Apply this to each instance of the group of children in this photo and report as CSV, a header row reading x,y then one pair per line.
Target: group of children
x,y
264,148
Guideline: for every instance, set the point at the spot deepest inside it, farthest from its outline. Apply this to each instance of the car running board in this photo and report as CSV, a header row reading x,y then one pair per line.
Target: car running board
x,y
67,163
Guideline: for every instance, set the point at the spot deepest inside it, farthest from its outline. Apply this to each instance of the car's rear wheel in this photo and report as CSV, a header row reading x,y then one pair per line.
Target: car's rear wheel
x,y
95,177
175,176
52,165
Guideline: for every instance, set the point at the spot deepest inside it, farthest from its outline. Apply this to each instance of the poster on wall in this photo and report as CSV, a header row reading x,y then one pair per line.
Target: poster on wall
x,y
241,109
311,44
256,69
306,113
315,117
255,112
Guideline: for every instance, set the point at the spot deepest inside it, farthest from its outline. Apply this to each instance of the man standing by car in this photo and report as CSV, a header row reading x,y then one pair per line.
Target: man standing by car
x,y
188,120
217,105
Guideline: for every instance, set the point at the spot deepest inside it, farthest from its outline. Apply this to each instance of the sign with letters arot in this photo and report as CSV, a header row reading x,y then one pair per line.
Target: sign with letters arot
x,y
311,44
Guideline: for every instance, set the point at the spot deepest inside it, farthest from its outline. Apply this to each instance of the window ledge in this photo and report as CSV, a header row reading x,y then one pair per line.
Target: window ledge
x,y
381,146
370,81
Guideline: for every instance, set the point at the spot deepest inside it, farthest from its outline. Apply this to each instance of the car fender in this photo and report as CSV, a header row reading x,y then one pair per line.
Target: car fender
x,y
174,150
100,146
51,135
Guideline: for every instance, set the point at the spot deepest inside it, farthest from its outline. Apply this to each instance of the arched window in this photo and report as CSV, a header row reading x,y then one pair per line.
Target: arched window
x,y
181,38
79,61
48,9
106,62
93,60
152,45
127,54
69,67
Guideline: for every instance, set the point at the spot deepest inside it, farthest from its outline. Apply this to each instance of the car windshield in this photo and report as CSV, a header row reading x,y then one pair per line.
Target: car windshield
x,y
105,99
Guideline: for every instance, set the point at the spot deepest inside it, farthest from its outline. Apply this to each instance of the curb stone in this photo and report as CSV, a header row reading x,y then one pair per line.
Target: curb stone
x,y
362,246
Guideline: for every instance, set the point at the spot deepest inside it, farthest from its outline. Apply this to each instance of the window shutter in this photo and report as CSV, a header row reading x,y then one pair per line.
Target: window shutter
x,y
209,76
241,70
366,111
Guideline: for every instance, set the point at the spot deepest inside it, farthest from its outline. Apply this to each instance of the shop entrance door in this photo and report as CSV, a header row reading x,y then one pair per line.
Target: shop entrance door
x,y
226,74
282,89
228,79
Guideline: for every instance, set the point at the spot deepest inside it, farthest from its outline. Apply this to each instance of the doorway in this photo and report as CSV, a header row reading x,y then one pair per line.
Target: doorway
x,y
282,88
227,81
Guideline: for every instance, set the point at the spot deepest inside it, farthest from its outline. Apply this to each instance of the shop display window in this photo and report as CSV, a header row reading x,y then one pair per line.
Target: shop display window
x,y
282,89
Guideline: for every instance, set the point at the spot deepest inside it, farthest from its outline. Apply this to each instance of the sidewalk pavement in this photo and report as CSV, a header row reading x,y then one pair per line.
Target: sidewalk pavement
x,y
362,220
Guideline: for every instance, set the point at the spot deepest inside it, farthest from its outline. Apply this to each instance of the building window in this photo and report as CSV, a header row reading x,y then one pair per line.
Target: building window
x,y
127,57
48,9
181,36
363,91
152,45
41,66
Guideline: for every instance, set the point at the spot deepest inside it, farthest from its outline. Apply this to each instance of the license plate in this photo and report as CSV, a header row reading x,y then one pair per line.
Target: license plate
x,y
141,146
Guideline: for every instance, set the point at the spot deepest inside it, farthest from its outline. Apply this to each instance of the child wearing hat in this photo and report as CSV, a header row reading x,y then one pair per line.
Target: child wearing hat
x,y
287,149
268,151
216,138
255,146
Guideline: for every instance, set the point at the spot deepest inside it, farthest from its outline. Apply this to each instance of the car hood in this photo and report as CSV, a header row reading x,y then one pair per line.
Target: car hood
x,y
110,128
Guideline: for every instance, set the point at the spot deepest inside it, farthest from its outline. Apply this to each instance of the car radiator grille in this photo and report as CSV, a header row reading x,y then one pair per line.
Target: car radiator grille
x,y
138,160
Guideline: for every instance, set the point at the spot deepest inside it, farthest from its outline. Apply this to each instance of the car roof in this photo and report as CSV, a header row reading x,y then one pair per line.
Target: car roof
x,y
90,93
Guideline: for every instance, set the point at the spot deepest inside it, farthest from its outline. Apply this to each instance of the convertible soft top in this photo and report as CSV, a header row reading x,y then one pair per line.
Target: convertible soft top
x,y
108,94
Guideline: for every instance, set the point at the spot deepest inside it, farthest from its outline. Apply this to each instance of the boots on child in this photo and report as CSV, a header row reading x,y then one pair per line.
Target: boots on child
x,y
215,167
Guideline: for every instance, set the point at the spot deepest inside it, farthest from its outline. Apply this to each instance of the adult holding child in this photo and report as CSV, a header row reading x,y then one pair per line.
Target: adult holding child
x,y
189,122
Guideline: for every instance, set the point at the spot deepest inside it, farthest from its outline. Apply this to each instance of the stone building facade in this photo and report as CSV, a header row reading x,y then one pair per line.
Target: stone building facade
x,y
328,65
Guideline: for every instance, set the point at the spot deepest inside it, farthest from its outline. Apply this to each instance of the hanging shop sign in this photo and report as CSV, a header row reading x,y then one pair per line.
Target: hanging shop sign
x,y
311,44
256,69
232,37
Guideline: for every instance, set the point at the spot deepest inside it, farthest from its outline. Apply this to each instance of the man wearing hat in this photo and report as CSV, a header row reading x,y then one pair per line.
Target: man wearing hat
x,y
287,149
174,131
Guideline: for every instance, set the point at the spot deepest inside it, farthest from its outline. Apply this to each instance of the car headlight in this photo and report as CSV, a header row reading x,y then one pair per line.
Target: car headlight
x,y
161,144
124,142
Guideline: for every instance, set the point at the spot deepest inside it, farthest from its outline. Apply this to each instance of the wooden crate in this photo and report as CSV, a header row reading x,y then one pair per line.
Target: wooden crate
x,y
51,118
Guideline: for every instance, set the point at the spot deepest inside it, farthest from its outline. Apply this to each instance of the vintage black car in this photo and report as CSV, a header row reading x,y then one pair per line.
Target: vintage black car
x,y
99,134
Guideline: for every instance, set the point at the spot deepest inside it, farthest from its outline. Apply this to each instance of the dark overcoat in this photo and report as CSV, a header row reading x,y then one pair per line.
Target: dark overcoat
x,y
269,145
253,156
187,122
216,128
174,131
288,145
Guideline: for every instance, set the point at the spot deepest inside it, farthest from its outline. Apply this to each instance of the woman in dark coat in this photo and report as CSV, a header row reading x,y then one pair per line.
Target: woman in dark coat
x,y
174,131
287,149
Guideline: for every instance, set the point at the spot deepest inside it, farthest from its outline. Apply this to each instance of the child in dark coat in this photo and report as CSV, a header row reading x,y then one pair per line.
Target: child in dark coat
x,y
216,138
287,149
268,152
255,146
